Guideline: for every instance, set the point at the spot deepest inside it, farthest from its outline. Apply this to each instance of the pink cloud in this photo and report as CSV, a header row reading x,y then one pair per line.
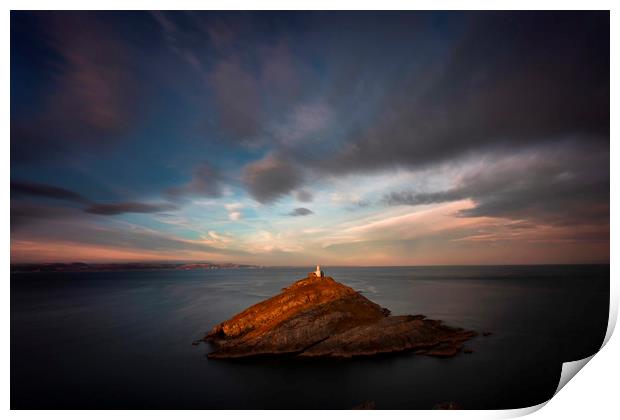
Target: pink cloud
x,y
23,251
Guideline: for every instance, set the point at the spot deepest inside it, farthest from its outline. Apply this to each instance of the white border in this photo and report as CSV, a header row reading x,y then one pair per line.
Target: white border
x,y
593,394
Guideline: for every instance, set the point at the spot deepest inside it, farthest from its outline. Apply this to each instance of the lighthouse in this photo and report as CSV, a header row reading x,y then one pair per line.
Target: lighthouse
x,y
318,271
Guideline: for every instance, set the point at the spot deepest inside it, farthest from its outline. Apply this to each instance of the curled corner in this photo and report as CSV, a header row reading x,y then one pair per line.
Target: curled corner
x,y
520,412
613,313
570,369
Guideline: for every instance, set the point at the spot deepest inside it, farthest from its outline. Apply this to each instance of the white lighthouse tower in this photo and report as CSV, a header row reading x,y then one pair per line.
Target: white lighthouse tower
x,y
318,271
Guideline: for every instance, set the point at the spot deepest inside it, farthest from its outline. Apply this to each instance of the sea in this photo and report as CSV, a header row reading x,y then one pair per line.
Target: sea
x,y
123,340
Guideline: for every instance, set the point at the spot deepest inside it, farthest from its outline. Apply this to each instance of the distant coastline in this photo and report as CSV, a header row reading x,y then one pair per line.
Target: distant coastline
x,y
80,266
135,266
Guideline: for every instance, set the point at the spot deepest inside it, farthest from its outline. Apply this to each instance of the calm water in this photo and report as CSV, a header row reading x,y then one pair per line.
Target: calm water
x,y
123,339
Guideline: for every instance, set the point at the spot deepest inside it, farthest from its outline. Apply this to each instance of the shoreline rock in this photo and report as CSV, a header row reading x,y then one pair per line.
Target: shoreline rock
x,y
317,317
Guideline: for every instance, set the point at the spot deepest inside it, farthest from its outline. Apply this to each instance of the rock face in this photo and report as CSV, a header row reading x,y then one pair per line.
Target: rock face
x,y
319,317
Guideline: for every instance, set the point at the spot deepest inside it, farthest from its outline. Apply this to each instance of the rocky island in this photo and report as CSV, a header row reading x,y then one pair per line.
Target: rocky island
x,y
319,317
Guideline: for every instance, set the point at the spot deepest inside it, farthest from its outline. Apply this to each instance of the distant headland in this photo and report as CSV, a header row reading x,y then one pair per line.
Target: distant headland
x,y
319,317
81,266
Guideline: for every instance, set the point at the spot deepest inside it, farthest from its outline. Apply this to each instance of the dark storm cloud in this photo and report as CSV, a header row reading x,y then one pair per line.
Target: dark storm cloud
x,y
406,90
19,189
238,99
248,67
300,211
304,196
554,187
228,76
91,98
414,199
513,79
271,177
498,82
35,190
24,214
206,182
112,209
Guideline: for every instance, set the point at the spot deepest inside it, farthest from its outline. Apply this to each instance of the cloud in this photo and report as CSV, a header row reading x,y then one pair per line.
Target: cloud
x,y
492,89
335,103
312,117
237,98
177,39
413,199
339,197
20,214
94,96
217,238
24,214
44,190
558,187
111,209
301,211
205,182
270,178
279,73
103,241
20,189
234,211
498,88
304,123
304,196
221,34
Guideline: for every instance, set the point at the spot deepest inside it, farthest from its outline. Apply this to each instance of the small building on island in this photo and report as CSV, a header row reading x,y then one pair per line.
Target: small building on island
x,y
318,273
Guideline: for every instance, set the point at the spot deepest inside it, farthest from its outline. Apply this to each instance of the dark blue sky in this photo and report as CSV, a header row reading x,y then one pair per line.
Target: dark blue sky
x,y
286,138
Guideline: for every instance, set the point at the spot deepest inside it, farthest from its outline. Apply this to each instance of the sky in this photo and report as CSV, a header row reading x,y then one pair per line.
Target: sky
x,y
301,138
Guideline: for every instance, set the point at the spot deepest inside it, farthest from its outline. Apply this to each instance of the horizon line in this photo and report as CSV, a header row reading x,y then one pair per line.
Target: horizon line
x,y
309,265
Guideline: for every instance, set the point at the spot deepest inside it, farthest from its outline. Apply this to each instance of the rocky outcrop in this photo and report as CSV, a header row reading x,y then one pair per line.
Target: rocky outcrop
x,y
319,317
